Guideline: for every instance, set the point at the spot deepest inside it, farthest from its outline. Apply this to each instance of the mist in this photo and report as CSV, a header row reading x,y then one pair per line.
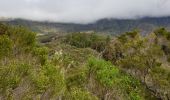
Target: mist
x,y
83,11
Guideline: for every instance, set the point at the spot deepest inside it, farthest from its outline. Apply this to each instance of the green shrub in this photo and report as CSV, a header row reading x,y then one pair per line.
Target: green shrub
x,y
111,78
5,46
48,77
76,78
104,71
12,74
42,54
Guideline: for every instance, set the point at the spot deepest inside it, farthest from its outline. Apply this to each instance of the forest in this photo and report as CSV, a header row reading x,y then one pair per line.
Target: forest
x,y
84,66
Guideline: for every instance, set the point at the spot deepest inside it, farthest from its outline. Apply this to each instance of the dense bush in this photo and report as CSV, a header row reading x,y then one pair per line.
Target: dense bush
x,y
110,79
5,46
83,40
21,59
134,67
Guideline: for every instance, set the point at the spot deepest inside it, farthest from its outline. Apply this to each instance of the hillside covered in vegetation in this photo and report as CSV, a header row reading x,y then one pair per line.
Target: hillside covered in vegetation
x,y
84,66
112,26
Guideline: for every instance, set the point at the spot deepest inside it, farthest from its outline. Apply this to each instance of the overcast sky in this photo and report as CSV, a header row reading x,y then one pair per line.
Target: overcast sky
x,y
83,11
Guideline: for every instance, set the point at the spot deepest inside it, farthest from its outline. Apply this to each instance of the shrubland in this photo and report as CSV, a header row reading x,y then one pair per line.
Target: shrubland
x,y
84,66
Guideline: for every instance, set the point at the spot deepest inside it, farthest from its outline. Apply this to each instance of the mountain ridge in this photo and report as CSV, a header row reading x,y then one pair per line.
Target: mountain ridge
x,y
112,26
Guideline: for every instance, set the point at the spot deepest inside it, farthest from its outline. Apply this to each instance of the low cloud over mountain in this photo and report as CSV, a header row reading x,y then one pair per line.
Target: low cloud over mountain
x,y
83,11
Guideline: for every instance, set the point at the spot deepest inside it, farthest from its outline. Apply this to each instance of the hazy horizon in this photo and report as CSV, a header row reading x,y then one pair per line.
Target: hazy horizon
x,y
83,11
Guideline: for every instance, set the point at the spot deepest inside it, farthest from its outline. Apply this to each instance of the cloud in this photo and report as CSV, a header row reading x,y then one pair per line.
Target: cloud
x,y
83,11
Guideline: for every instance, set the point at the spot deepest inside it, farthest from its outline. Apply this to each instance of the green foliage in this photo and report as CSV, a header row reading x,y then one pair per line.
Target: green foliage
x,y
131,86
40,80
79,94
56,78
16,39
11,75
23,39
63,70
161,77
132,34
76,77
78,39
104,71
139,55
42,54
140,60
48,77
127,36
5,46
111,78
135,96
3,29
84,40
26,61
162,32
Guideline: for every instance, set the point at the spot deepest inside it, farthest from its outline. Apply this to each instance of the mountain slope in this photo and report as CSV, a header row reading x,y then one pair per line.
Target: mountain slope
x,y
111,26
